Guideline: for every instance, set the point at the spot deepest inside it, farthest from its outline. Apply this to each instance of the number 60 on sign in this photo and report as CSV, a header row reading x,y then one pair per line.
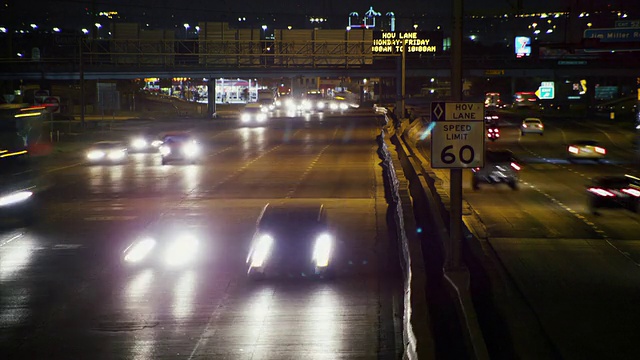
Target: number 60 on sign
x,y
457,144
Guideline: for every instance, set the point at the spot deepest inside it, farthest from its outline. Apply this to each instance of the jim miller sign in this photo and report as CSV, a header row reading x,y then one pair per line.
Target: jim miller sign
x,y
458,137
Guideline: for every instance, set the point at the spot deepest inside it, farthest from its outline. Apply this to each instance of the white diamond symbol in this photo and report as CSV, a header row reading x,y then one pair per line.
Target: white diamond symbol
x,y
438,111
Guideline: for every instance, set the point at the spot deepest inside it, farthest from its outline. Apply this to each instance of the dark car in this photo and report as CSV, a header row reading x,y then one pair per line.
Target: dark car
x,y
614,191
501,166
493,132
180,146
291,240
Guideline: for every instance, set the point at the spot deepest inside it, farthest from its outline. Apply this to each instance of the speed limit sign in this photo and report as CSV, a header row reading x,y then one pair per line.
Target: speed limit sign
x,y
458,137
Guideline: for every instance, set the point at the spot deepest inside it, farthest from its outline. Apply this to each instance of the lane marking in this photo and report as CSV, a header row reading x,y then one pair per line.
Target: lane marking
x,y
63,167
593,226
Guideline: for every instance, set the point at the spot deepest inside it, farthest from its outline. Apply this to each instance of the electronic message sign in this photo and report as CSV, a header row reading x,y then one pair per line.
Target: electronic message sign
x,y
415,42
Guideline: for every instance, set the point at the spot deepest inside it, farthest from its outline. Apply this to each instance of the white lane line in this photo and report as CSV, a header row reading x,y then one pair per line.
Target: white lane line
x,y
593,226
63,167
6,242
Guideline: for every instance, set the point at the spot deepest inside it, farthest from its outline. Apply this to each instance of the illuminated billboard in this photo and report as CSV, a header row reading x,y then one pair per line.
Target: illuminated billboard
x,y
523,46
415,42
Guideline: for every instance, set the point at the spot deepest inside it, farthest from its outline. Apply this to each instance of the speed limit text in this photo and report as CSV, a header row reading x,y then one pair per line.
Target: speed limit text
x,y
457,132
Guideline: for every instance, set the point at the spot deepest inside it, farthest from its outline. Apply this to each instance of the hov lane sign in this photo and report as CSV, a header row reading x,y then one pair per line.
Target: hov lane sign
x,y
457,111
458,138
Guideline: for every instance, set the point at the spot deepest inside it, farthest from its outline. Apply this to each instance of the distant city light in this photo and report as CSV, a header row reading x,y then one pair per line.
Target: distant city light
x,y
415,26
34,26
198,28
186,26
289,27
549,31
537,32
473,37
348,28
19,55
264,27
3,29
98,25
56,29
85,31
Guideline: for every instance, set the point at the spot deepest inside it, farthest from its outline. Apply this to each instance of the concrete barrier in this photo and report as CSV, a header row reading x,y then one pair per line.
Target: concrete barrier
x,y
417,337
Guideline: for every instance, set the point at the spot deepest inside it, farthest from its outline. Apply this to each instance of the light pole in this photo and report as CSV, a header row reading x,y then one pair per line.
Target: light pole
x,y
186,30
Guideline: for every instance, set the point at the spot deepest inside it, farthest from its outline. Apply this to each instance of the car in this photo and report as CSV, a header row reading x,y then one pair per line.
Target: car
x,y
167,249
107,152
253,114
144,142
532,126
493,132
614,191
586,149
180,146
292,239
20,185
501,166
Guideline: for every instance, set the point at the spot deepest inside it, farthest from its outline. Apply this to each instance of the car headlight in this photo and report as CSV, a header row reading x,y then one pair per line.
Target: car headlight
x,y
156,143
139,250
264,109
261,251
245,117
164,150
343,106
117,155
320,105
190,149
14,198
322,250
95,155
139,143
333,106
261,117
182,250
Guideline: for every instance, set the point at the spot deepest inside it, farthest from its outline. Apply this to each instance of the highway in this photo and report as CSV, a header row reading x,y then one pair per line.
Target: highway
x,y
579,272
65,292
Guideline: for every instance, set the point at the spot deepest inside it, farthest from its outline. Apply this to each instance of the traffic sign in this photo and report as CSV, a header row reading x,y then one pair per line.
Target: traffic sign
x,y
52,103
613,34
441,110
458,137
546,91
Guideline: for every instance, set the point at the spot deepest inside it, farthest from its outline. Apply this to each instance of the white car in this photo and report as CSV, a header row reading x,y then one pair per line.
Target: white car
x,y
253,114
586,149
532,126
107,152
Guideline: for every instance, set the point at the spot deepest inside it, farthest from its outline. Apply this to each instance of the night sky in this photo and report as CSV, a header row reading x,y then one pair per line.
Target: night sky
x,y
171,11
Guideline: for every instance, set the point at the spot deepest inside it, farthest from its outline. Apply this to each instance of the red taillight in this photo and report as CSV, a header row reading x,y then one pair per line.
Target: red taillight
x,y
573,149
600,150
632,192
515,166
602,192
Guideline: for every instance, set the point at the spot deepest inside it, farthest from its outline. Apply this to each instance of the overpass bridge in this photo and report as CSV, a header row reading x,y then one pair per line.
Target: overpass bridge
x,y
130,59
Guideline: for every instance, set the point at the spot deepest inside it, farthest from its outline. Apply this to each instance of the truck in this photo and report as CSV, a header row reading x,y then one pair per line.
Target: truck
x,y
267,98
20,178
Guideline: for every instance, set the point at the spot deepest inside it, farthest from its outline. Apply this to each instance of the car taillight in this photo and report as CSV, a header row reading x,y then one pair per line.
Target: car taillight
x,y
600,150
632,192
573,149
515,166
602,192
475,169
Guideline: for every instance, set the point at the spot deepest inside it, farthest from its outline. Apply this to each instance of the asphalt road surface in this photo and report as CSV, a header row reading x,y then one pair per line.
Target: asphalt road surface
x,y
65,292
579,272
